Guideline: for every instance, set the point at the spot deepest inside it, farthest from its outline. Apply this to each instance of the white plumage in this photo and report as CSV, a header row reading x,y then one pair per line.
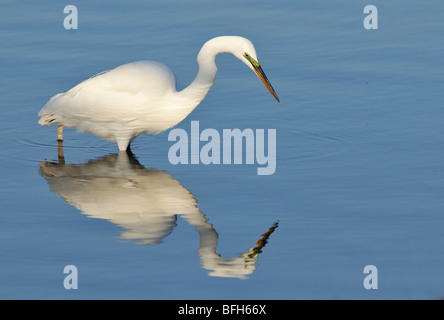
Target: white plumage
x,y
120,104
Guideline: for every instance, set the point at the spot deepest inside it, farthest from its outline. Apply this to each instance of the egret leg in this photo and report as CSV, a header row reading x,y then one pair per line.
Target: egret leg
x,y
61,156
124,144
60,133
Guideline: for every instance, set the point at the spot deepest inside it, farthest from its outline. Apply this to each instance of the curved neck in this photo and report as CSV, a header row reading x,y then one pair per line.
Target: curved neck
x,y
204,80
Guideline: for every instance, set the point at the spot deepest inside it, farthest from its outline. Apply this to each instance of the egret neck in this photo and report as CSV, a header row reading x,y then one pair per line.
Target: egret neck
x,y
206,75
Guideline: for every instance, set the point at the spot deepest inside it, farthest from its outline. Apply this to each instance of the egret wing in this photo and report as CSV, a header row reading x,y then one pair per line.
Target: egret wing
x,y
121,94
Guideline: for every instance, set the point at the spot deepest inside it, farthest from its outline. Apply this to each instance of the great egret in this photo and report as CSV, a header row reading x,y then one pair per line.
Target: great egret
x,y
120,104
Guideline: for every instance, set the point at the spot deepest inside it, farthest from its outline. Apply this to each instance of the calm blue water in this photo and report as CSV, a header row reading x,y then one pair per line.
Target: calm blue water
x,y
360,147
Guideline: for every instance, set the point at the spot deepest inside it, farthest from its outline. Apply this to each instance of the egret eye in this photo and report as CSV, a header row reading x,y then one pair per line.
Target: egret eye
x,y
251,60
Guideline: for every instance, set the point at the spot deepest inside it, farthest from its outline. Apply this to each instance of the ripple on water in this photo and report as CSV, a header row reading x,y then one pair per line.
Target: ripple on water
x,y
309,145
28,144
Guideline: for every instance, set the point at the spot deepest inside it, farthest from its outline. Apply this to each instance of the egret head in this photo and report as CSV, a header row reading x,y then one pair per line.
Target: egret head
x,y
241,48
247,54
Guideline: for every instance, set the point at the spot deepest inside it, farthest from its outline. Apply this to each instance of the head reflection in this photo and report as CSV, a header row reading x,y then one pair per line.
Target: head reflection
x,y
145,204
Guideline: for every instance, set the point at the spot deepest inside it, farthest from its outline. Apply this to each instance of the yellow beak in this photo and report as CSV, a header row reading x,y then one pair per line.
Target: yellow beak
x,y
260,73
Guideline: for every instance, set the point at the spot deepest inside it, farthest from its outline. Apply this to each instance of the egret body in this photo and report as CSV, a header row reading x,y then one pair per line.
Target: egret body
x,y
120,104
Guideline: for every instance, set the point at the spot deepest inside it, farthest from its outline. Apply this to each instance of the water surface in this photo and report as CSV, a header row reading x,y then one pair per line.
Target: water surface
x,y
359,177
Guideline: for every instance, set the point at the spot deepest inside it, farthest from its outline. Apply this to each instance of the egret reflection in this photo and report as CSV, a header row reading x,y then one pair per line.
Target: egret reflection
x,y
145,203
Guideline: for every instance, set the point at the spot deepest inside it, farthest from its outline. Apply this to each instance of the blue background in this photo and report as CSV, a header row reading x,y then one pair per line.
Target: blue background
x,y
359,177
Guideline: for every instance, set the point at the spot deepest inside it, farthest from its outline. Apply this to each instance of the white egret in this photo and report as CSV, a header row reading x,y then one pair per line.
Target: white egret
x,y
120,104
